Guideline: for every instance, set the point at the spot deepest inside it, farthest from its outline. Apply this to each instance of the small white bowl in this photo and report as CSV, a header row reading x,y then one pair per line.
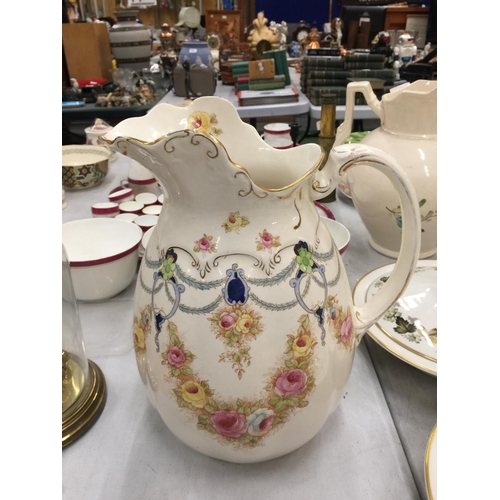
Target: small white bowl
x,y
161,198
146,198
278,142
152,210
121,195
341,235
106,209
103,255
146,238
126,216
131,207
146,222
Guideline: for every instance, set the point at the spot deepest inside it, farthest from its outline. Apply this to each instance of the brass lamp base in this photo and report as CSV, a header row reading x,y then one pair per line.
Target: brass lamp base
x,y
85,411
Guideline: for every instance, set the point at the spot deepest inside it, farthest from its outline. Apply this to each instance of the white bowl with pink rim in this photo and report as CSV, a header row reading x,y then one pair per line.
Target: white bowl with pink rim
x,y
105,209
121,195
146,198
161,199
146,238
146,222
340,234
152,210
131,207
141,180
103,255
277,130
129,217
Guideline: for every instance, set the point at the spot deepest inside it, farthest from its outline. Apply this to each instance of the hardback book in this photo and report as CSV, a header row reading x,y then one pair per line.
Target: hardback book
x,y
263,97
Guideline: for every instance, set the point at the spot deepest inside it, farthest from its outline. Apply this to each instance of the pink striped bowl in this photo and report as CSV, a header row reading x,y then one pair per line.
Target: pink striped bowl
x,y
103,255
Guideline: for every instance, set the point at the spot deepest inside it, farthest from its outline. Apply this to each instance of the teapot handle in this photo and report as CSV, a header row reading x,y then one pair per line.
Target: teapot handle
x,y
365,88
350,155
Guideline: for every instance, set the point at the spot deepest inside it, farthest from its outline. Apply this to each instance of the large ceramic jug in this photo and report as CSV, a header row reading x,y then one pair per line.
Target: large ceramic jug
x,y
407,132
244,325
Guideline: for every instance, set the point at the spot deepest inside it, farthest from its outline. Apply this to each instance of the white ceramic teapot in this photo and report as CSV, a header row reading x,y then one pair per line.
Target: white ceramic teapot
x,y
408,132
244,326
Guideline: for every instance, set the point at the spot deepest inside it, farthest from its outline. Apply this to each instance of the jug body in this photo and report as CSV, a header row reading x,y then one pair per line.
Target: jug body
x,y
408,133
244,326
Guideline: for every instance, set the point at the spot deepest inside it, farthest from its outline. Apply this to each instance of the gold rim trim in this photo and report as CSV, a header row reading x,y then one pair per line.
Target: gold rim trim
x,y
83,414
426,369
427,457
322,157
397,341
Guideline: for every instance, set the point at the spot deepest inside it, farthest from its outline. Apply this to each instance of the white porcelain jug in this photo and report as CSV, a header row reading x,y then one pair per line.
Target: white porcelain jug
x,y
408,132
244,325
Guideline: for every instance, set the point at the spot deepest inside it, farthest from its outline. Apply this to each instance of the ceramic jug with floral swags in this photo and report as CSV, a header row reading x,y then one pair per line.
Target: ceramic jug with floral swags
x,y
244,326
407,132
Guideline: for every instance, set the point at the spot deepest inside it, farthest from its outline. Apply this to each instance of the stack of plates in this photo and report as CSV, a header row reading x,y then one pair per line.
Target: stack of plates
x,y
409,329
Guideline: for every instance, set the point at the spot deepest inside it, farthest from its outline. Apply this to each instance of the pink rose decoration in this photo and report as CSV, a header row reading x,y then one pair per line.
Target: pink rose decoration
x,y
176,357
230,424
228,320
204,244
291,383
346,329
267,240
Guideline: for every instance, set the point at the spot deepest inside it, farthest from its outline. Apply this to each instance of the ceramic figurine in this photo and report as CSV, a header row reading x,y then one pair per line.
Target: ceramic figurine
x,y
281,31
313,39
336,33
404,52
244,326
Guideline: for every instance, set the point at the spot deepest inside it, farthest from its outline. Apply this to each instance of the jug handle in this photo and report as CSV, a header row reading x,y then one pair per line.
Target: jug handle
x,y
365,88
348,156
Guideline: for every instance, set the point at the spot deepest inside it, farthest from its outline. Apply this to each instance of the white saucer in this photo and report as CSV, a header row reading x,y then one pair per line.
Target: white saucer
x,y
409,329
431,465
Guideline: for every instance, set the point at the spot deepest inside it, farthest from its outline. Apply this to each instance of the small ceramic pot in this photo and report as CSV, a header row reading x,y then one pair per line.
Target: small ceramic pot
x,y
146,198
146,222
131,207
84,166
106,209
121,196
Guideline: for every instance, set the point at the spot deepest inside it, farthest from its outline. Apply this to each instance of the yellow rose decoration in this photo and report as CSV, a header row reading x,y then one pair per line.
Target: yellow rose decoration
x,y
302,345
193,393
200,122
139,337
244,324
234,222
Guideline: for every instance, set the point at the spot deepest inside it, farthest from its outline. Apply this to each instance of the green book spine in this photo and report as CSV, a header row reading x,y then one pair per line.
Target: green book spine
x,y
242,86
335,75
277,78
266,86
325,82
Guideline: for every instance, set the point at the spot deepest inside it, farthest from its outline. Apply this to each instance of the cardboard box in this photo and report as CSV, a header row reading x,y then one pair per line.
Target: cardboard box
x,y
88,51
263,68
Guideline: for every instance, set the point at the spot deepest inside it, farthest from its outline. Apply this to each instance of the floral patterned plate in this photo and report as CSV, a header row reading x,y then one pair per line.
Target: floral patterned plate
x,y
409,328
431,465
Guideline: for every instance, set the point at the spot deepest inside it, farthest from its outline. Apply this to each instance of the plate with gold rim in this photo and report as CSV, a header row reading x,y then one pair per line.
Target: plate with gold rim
x,y
408,330
431,465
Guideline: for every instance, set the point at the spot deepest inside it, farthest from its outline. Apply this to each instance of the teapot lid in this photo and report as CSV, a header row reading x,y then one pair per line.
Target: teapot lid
x,y
412,109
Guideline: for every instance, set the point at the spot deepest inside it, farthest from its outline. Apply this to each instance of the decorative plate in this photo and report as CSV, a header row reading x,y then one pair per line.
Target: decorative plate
x,y
431,465
409,328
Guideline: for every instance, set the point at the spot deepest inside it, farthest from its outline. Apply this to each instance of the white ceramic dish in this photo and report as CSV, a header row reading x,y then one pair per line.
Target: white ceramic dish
x,y
146,198
431,465
84,166
152,210
129,217
131,207
103,255
409,329
106,209
146,222
339,232
121,195
161,199
146,238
